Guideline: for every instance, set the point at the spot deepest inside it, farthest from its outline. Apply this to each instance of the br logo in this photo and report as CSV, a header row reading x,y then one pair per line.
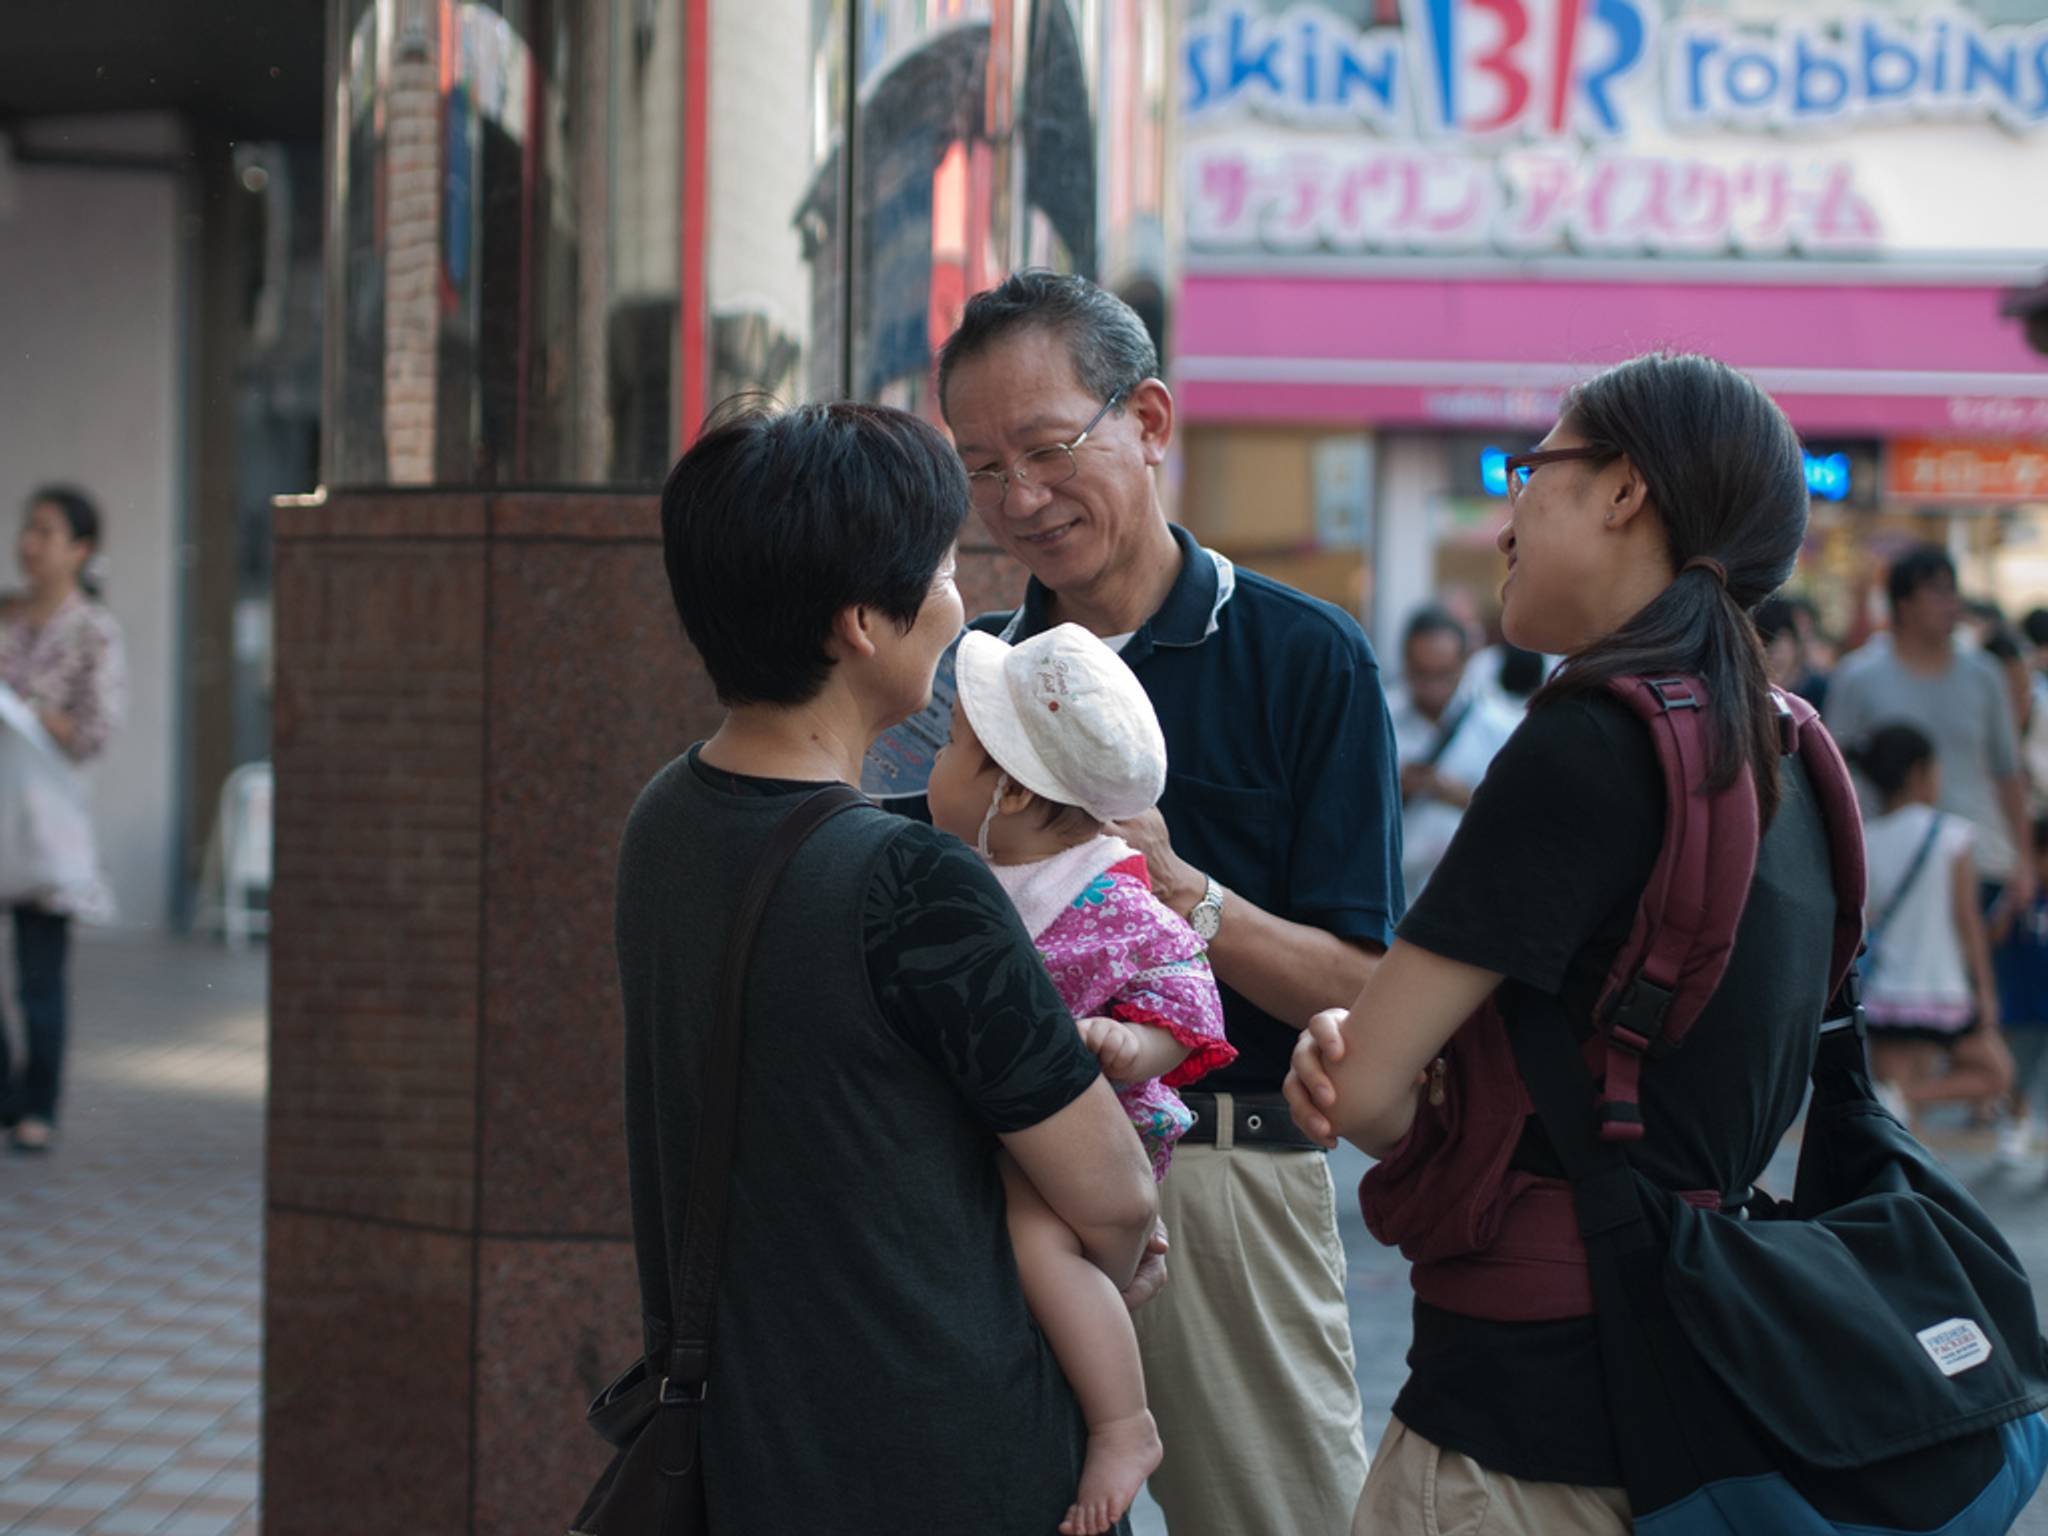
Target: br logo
x,y
1543,67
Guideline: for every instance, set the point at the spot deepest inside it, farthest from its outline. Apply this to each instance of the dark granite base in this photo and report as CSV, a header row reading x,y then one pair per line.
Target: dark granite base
x,y
471,691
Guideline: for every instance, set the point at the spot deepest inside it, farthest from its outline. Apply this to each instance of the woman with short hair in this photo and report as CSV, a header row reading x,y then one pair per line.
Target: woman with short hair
x,y
874,1363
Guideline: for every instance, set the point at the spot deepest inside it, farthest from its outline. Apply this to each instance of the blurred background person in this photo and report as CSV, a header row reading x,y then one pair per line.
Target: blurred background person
x,y
1982,618
1928,984
1959,699
61,651
1783,629
1446,730
2007,647
2034,746
1502,671
2020,958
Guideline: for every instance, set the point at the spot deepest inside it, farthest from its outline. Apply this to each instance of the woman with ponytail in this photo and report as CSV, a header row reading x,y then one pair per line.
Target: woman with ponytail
x,y
1668,501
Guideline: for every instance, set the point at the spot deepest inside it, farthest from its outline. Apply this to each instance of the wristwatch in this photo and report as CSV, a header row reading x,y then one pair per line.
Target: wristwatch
x,y
1208,914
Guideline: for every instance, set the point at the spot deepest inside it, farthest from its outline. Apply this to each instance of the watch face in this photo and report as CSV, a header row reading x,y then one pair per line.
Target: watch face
x,y
1206,919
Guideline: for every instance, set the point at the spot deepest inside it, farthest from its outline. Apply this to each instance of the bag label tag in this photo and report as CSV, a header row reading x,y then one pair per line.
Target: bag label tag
x,y
1955,1346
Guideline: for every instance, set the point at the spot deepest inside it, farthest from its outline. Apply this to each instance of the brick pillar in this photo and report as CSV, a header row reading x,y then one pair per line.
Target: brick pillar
x,y
471,690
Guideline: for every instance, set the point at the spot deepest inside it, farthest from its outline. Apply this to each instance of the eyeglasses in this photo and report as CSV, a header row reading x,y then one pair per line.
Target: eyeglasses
x,y
1044,467
1521,465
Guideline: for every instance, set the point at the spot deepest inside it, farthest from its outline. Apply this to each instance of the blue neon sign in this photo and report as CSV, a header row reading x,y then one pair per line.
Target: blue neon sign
x,y
1493,470
1827,476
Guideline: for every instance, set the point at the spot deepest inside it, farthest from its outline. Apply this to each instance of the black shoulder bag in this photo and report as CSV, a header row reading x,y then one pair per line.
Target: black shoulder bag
x,y
1860,1360
653,1413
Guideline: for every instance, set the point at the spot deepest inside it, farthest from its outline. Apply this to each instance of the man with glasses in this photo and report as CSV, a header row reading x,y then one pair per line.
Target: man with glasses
x,y
1278,838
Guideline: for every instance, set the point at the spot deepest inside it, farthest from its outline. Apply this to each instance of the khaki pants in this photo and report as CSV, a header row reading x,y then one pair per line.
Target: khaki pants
x,y
1248,1362
1420,1489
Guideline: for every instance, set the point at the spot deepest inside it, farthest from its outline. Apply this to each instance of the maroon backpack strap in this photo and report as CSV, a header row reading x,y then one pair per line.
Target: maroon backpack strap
x,y
1836,794
1685,925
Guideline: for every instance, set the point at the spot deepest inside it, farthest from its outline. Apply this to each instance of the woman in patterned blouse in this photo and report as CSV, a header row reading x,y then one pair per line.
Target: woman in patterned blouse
x,y
61,651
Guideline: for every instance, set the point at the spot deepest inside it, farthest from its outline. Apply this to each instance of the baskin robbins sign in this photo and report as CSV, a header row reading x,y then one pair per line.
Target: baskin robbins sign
x,y
1615,127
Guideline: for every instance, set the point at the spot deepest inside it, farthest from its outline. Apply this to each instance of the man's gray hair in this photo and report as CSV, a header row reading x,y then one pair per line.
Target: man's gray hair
x,y
1110,347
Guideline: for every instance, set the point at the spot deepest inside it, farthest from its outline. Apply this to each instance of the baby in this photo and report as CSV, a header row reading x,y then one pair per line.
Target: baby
x,y
1052,740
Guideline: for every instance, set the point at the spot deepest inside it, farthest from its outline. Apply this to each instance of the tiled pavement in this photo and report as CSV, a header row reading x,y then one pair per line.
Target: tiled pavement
x,y
130,1257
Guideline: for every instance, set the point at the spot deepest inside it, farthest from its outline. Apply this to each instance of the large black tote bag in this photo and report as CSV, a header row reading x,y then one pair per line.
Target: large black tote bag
x,y
1864,1358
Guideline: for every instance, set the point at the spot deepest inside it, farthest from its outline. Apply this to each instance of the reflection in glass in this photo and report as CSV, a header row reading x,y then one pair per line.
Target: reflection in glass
x,y
546,257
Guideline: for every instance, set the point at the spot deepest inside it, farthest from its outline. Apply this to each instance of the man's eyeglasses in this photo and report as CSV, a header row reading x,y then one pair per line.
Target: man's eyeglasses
x,y
1519,466
1043,467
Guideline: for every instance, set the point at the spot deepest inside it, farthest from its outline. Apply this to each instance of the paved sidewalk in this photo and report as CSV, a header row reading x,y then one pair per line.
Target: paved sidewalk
x,y
130,1274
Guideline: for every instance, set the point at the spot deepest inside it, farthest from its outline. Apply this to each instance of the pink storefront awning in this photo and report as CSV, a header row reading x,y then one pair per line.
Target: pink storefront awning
x,y
1850,358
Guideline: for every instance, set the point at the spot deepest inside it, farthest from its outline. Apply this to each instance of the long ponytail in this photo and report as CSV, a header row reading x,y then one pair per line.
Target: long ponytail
x,y
1725,474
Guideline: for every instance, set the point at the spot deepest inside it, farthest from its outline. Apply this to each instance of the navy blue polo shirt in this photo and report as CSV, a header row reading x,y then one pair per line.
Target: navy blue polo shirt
x,y
1281,779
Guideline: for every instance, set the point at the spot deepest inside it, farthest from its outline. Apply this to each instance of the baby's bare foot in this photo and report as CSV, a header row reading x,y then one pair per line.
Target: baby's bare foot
x,y
1122,1453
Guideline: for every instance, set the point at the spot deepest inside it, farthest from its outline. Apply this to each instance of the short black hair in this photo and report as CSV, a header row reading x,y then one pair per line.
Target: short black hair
x,y
1112,351
1916,568
1890,754
2005,643
1435,619
2035,626
775,522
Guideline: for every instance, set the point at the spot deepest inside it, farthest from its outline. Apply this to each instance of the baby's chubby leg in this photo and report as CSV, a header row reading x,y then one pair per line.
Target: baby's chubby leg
x,y
1090,1332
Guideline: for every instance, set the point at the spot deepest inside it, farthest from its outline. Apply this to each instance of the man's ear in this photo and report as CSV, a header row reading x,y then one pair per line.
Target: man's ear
x,y
1151,404
853,632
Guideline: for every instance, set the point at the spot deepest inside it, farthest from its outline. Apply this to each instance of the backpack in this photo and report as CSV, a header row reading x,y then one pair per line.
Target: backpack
x,y
1863,1356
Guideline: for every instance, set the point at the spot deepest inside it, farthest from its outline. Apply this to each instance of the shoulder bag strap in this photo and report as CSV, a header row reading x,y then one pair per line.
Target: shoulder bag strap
x,y
693,1279
1447,733
1882,919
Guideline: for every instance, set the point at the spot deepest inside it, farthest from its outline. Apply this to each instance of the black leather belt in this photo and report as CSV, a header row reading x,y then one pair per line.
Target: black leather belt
x,y
1257,1120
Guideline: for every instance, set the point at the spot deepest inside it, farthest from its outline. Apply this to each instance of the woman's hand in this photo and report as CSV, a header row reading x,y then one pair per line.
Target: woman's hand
x,y
1150,1279
1115,1044
1309,1089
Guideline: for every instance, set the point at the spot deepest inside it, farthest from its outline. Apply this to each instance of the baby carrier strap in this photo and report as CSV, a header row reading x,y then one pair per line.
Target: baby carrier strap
x,y
1684,928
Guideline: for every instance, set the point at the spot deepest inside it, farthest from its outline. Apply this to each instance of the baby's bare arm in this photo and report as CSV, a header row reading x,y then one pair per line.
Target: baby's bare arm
x,y
1158,1052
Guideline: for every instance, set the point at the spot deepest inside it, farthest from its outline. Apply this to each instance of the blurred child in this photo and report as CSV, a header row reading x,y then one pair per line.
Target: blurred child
x,y
1928,986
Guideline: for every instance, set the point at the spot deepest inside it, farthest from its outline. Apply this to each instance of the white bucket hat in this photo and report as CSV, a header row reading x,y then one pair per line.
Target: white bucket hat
x,y
1065,717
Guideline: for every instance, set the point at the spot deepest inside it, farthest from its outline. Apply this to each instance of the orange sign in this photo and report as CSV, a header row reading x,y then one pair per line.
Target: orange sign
x,y
1949,470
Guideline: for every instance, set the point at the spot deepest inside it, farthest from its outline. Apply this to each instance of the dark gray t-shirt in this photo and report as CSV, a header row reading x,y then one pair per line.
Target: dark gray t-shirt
x,y
873,1359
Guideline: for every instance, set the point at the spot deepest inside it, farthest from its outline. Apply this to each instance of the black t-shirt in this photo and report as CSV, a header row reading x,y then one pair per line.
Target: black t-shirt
x,y
937,932
1541,884
871,1333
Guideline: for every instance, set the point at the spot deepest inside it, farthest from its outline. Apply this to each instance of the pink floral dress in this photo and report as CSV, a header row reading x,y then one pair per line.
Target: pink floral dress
x,y
1115,949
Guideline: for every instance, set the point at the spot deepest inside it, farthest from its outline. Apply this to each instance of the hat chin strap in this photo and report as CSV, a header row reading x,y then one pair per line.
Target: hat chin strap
x,y
995,806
